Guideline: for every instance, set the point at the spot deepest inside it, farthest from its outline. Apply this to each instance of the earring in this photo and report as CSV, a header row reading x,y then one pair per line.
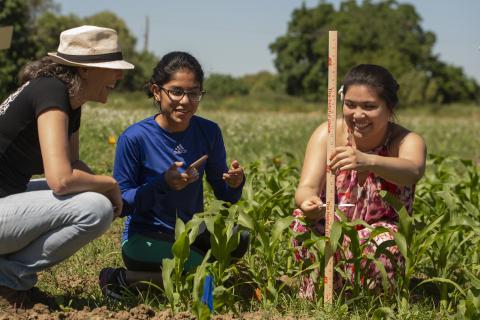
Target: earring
x,y
340,92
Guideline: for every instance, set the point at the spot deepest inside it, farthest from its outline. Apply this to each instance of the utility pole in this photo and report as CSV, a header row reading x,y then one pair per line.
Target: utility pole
x,y
147,28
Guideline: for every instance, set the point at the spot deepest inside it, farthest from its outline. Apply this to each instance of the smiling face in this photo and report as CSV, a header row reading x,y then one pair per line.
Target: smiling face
x,y
365,114
175,115
98,82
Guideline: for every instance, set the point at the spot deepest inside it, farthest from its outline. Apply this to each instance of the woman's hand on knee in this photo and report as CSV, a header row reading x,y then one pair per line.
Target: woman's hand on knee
x,y
115,196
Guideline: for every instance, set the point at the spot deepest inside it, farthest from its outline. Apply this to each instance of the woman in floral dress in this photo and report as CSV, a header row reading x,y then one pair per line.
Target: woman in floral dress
x,y
372,154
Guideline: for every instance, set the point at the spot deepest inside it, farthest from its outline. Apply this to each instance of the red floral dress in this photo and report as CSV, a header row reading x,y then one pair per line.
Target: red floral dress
x,y
370,207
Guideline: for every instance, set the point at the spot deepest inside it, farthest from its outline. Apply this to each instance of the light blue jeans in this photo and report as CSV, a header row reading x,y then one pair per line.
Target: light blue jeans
x,y
39,229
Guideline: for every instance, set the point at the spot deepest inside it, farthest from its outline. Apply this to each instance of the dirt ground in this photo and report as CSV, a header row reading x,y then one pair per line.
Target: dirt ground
x,y
42,312
141,312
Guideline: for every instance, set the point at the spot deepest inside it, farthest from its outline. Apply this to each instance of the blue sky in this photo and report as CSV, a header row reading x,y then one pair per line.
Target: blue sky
x,y
233,36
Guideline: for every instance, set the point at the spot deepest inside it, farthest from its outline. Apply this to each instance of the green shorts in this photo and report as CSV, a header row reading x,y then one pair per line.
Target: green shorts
x,y
145,253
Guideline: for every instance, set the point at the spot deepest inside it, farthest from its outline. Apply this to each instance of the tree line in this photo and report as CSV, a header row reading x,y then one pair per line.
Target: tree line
x,y
380,32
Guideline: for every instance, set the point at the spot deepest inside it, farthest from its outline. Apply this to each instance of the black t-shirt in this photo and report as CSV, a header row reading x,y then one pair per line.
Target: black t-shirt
x,y
20,155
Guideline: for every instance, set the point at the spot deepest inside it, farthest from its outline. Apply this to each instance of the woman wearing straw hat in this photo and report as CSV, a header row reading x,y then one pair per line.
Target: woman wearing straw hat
x,y
43,222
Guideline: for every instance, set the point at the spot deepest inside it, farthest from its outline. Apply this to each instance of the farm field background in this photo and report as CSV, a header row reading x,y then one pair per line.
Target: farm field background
x,y
258,132
270,145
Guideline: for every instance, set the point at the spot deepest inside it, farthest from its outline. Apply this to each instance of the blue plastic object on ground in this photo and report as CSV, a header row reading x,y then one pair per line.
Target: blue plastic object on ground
x,y
207,297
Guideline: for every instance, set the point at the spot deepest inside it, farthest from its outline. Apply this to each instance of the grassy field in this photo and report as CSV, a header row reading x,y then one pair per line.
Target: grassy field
x,y
261,133
270,144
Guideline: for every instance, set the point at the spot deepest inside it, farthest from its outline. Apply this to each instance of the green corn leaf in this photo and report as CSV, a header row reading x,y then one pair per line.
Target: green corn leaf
x,y
201,311
192,235
181,248
277,211
401,244
355,247
176,297
219,291
232,243
271,289
215,247
474,280
450,198
167,269
405,221
210,223
247,221
335,234
194,226
278,227
216,206
357,222
377,231
179,227
383,272
383,247
443,280
427,231
383,313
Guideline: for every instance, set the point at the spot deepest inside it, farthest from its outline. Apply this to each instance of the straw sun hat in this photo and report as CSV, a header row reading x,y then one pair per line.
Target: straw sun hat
x,y
90,46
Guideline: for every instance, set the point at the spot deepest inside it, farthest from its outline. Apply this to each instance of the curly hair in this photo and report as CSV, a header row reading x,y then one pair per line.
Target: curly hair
x,y
45,67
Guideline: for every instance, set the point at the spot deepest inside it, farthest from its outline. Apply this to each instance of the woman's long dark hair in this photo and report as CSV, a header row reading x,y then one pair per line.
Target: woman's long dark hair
x,y
45,67
377,78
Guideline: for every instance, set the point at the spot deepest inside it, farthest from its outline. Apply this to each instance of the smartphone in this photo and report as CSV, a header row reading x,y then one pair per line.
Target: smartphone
x,y
196,164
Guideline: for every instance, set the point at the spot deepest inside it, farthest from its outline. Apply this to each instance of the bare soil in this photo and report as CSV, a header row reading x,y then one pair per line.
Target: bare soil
x,y
141,312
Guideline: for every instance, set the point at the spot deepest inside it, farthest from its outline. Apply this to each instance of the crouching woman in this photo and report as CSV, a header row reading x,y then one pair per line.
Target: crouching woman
x,y
373,153
44,221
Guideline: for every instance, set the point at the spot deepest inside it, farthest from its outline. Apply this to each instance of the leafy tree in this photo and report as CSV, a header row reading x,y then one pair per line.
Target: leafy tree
x,y
263,82
38,7
22,49
47,31
134,80
385,33
221,85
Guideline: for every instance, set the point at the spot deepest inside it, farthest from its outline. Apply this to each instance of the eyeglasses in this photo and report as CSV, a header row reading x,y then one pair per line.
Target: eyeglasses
x,y
178,94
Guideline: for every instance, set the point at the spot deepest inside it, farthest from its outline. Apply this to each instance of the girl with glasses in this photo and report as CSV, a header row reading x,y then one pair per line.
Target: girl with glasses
x,y
153,167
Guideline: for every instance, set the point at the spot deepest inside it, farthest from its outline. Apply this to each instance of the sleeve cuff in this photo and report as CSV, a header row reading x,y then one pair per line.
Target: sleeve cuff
x,y
161,183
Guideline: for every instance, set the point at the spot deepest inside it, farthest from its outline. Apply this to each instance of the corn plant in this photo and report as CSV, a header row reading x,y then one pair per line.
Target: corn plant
x,y
181,287
266,211
221,222
440,241
174,279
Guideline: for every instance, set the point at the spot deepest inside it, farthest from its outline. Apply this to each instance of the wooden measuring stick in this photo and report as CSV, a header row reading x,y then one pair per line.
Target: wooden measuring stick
x,y
332,121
